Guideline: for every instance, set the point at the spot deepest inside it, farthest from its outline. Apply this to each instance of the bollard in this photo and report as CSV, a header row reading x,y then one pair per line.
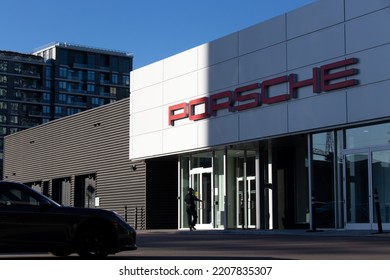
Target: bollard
x,y
378,211
313,213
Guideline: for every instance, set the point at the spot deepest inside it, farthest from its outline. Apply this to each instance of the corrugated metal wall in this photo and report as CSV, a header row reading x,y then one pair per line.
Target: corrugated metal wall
x,y
94,141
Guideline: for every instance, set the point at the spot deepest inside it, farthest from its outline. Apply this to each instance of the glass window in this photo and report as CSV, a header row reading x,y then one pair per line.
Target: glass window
x,y
63,72
13,130
62,85
125,65
3,79
112,91
323,179
3,92
91,60
48,71
3,119
126,80
114,63
367,136
14,107
18,68
46,97
14,119
58,110
3,130
46,110
91,76
3,66
90,88
3,105
114,78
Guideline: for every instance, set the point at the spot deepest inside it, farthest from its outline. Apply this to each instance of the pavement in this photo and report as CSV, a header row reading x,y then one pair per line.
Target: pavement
x,y
294,232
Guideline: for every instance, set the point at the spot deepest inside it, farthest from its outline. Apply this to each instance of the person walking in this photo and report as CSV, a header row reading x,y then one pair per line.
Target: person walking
x,y
192,216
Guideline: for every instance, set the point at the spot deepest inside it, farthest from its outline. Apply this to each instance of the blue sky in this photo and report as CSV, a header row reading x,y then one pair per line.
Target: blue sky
x,y
149,29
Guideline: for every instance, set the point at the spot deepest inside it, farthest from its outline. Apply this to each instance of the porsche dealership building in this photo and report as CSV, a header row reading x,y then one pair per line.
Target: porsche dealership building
x,y
285,124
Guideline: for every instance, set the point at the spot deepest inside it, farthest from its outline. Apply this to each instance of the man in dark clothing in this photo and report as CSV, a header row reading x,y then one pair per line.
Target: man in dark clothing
x,y
192,215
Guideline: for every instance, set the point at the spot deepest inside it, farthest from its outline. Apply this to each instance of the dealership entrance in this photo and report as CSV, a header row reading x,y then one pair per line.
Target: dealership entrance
x,y
246,186
367,175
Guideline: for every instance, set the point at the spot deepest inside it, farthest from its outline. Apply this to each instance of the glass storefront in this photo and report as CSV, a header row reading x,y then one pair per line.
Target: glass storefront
x,y
360,156
248,186
367,173
326,180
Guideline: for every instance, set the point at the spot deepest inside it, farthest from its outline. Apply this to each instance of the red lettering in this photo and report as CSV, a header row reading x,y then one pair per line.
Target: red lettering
x,y
174,116
294,84
244,98
265,90
327,76
215,106
193,116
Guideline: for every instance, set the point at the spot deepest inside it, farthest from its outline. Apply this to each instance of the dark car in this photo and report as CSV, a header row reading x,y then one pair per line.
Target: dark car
x,y
31,222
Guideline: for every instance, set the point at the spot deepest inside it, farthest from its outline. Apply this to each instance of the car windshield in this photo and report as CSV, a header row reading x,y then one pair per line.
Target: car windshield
x,y
17,195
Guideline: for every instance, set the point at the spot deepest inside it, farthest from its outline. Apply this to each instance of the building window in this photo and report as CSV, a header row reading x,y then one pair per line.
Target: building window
x,y
62,98
114,78
126,80
3,66
3,131
3,105
13,130
46,110
91,60
90,88
112,91
91,76
14,119
48,72
15,108
3,92
125,66
3,79
97,101
3,118
72,111
63,85
46,97
58,111
63,72
18,68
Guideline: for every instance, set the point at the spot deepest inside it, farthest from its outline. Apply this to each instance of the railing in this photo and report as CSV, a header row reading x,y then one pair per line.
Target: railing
x,y
139,219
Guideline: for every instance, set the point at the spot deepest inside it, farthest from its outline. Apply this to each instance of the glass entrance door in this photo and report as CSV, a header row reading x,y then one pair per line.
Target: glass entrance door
x,y
246,202
357,191
366,172
201,182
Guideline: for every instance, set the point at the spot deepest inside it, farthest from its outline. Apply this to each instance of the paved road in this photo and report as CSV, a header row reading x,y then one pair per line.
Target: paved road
x,y
262,245
270,245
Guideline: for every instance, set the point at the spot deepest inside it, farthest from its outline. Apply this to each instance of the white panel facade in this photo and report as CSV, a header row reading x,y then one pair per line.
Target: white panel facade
x,y
187,60
316,47
324,32
317,112
218,51
368,31
314,17
369,102
258,36
219,76
267,121
263,63
358,8
180,88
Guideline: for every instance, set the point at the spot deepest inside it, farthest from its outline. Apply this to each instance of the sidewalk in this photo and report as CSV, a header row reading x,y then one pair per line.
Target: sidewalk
x,y
293,232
